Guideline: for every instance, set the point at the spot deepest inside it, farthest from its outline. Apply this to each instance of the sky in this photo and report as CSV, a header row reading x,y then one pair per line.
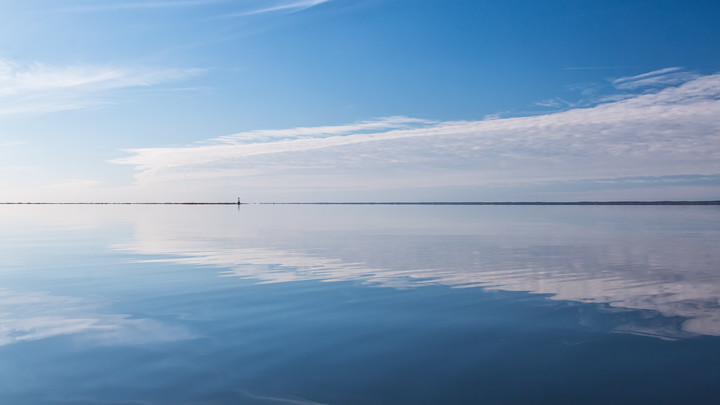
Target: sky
x,y
359,100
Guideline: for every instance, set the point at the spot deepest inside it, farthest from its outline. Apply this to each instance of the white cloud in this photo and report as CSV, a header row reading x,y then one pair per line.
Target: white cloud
x,y
657,78
292,6
39,88
138,5
594,67
11,143
648,74
76,183
262,8
323,131
673,131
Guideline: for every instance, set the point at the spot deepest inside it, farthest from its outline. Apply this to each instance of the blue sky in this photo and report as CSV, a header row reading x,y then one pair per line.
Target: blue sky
x,y
369,100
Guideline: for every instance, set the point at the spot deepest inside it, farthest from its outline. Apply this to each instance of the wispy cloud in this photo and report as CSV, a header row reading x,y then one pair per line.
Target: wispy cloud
x,y
658,78
280,400
265,142
594,68
13,143
233,8
292,7
139,5
323,131
670,132
556,103
39,88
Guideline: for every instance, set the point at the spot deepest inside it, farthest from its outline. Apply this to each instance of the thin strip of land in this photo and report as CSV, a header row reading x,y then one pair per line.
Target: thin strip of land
x,y
122,203
712,202
511,203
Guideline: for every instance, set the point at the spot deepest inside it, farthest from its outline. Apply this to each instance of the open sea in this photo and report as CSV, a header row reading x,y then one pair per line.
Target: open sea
x,y
350,305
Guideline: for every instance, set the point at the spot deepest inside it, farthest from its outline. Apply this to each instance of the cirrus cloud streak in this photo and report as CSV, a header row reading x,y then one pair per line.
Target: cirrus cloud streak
x,y
39,88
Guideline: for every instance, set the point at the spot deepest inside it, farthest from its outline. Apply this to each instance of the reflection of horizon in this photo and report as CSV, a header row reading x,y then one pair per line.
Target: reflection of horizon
x,y
635,268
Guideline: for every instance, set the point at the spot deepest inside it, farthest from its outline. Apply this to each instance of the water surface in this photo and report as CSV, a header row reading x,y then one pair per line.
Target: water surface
x,y
359,304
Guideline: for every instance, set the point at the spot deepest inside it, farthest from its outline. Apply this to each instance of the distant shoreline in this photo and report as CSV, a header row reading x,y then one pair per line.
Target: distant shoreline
x,y
515,203
714,202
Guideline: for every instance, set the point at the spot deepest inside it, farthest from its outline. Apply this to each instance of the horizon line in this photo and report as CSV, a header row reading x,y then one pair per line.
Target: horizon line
x,y
621,202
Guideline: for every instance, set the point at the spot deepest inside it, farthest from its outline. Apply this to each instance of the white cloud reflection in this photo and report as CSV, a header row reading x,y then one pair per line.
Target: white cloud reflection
x,y
34,316
647,269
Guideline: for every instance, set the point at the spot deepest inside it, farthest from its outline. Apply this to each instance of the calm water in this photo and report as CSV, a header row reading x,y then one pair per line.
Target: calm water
x,y
359,304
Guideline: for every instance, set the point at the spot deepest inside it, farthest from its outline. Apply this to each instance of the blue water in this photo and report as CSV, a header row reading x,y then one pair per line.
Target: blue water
x,y
359,304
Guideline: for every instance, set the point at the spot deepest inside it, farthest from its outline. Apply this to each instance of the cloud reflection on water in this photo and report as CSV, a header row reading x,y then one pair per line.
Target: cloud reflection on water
x,y
645,258
34,316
